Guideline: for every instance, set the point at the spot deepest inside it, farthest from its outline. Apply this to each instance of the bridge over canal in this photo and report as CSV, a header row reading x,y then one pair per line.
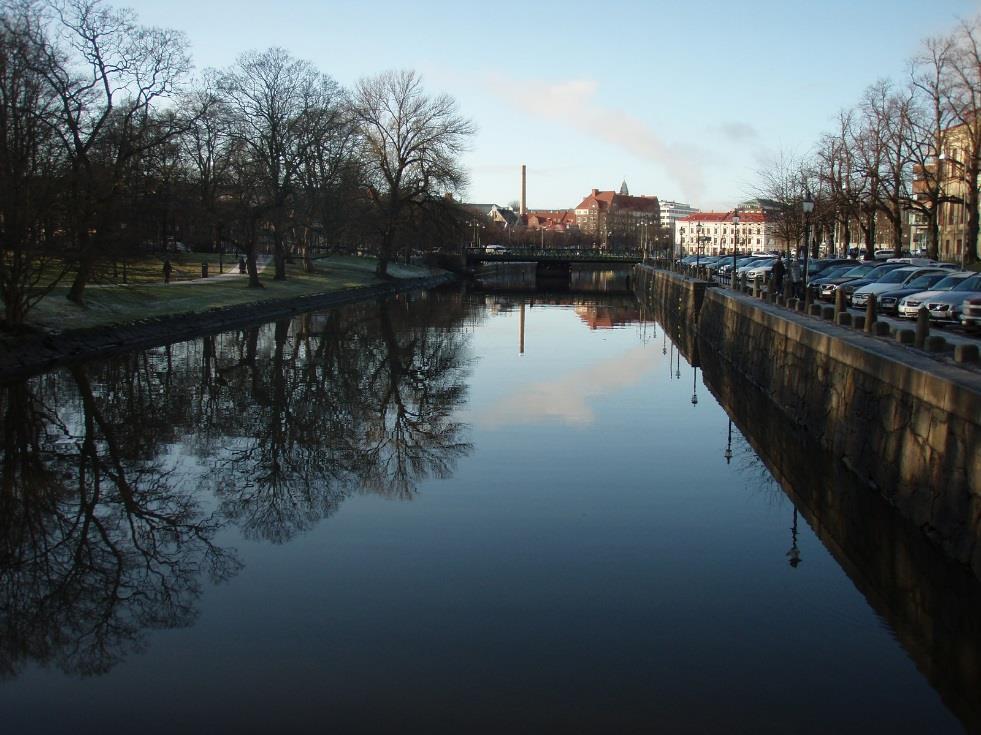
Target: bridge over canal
x,y
552,263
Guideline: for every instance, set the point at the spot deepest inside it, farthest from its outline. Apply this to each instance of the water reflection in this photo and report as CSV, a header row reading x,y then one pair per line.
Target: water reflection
x,y
99,542
929,602
103,533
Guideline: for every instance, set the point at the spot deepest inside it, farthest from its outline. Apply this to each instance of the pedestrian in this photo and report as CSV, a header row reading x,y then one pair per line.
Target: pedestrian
x,y
241,265
776,276
795,278
167,269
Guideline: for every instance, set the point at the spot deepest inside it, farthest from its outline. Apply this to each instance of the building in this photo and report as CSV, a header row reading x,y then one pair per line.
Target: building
x,y
617,219
714,230
553,220
671,212
952,187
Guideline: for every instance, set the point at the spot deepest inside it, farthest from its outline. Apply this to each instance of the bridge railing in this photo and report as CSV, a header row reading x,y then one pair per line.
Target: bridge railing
x,y
554,254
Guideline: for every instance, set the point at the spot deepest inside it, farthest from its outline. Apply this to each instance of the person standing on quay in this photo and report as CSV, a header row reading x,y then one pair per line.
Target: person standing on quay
x,y
167,269
795,278
776,276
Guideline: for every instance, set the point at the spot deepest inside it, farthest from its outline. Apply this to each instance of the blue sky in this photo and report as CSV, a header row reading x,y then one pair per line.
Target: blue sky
x,y
687,100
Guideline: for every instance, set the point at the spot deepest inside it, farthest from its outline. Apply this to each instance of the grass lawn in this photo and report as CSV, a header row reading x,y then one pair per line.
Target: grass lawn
x,y
117,304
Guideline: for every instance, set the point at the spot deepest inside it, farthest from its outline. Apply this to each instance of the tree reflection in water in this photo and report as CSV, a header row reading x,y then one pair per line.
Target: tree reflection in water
x,y
104,532
97,545
359,399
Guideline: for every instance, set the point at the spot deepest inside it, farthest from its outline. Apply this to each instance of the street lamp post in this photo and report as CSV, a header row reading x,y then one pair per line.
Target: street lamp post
x,y
807,205
735,240
698,246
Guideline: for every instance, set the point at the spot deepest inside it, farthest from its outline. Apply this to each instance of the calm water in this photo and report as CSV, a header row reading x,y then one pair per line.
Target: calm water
x,y
499,511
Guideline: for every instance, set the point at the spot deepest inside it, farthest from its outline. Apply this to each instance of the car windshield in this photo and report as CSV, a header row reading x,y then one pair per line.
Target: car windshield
x,y
971,284
897,276
922,282
836,271
876,275
859,270
950,283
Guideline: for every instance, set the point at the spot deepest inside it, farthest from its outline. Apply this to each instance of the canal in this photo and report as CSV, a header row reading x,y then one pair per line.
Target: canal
x,y
488,509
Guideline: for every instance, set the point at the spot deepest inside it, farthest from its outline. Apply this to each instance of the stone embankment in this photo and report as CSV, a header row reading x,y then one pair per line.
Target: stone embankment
x,y
36,353
901,421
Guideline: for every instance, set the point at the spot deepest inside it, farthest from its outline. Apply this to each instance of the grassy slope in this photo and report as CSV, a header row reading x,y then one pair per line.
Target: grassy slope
x,y
118,304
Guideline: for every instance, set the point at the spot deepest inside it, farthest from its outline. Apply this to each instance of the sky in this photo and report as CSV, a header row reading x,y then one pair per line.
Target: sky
x,y
686,100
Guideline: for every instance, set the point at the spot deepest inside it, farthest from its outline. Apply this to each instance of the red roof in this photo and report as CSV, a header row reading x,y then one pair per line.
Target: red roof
x,y
611,199
723,217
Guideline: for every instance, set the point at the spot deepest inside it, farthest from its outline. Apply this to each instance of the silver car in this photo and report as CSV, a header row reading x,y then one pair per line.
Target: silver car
x,y
909,306
944,306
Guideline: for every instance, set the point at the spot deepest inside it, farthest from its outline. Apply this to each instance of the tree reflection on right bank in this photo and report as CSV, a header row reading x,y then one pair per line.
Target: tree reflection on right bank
x,y
105,530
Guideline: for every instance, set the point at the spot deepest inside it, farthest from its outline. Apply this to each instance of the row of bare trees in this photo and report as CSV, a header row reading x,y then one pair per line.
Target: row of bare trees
x,y
907,147
109,145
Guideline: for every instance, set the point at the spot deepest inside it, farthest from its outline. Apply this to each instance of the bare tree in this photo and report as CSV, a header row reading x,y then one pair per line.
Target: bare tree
x,y
273,99
964,101
930,118
28,169
411,147
887,116
783,182
107,73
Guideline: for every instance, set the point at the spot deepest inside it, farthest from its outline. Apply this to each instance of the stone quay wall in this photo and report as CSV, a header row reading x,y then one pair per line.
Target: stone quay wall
x,y
903,422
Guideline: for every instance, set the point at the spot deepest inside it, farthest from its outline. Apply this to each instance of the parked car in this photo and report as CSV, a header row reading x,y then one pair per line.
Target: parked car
x,y
873,276
897,277
947,309
495,250
859,272
823,265
745,260
956,283
888,301
971,314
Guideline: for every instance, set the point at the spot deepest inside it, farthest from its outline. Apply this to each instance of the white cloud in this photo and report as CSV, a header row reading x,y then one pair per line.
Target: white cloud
x,y
566,398
573,103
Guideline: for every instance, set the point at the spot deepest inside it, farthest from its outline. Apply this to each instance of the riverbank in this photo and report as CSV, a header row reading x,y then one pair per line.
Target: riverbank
x,y
122,318
902,421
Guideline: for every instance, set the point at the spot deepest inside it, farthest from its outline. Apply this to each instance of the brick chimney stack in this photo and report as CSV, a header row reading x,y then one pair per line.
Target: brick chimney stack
x,y
524,193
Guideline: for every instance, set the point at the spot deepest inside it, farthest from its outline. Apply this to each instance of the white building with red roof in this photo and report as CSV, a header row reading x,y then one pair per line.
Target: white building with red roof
x,y
718,235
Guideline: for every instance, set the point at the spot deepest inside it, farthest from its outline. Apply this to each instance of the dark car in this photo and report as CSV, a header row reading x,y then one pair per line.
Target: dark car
x,y
888,302
823,265
830,285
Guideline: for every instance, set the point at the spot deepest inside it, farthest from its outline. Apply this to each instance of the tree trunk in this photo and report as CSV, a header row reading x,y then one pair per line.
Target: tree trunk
x,y
868,228
76,293
279,252
933,235
970,255
250,263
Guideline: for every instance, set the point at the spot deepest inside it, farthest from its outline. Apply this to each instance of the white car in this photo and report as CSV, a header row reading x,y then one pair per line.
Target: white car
x,y
909,306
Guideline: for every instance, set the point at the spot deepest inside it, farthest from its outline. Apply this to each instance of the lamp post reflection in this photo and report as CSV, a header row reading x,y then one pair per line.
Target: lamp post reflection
x,y
694,386
793,555
728,452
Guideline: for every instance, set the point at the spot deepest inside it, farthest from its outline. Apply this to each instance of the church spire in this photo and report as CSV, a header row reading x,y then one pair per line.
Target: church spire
x,y
623,188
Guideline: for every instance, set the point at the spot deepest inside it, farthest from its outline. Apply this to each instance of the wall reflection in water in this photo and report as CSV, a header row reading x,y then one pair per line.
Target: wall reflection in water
x,y
930,603
103,530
